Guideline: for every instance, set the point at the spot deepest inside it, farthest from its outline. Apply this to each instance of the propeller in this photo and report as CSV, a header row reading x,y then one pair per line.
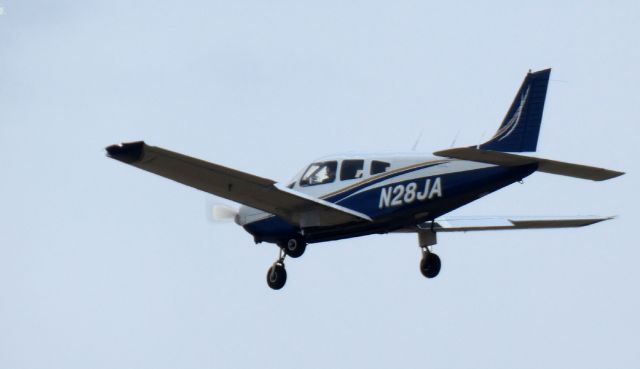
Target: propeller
x,y
217,212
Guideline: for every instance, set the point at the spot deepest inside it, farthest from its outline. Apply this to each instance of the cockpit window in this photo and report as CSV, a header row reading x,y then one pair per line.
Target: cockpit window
x,y
351,169
379,166
319,173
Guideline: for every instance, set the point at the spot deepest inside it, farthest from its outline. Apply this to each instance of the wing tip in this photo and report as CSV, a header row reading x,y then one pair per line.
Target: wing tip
x,y
612,174
596,220
128,152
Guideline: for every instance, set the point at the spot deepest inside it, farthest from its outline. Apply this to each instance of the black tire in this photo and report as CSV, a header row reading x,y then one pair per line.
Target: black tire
x,y
430,265
276,276
294,247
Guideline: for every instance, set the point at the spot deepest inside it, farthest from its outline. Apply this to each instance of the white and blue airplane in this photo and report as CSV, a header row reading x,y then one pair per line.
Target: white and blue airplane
x,y
340,197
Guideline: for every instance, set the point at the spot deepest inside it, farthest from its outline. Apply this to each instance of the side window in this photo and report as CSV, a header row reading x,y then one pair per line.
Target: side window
x,y
351,169
379,166
319,173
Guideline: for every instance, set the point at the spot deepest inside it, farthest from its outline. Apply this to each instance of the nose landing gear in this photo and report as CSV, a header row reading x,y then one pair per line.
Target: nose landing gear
x,y
277,274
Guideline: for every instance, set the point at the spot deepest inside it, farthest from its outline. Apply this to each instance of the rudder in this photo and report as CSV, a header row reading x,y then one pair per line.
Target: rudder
x,y
521,126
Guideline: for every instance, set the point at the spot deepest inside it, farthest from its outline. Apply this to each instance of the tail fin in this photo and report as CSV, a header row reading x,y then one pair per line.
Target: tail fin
x,y
520,128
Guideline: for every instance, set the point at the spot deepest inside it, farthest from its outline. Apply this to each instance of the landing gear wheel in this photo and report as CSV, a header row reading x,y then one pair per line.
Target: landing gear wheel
x,y
277,276
430,265
294,247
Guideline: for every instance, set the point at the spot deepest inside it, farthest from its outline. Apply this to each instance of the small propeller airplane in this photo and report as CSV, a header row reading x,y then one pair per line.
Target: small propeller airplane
x,y
340,197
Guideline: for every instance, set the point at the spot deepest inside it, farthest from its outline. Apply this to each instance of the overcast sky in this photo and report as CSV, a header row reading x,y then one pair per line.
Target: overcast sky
x,y
106,266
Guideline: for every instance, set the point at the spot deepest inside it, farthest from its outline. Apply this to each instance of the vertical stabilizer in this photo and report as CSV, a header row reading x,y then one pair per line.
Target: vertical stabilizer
x,y
521,126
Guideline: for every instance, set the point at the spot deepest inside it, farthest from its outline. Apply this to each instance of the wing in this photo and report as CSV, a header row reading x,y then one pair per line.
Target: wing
x,y
248,189
544,165
466,224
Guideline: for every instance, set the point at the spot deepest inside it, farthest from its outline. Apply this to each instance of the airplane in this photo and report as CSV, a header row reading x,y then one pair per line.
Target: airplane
x,y
343,196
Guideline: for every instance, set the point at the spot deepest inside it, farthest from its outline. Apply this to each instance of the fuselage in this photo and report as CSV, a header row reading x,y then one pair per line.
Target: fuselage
x,y
396,191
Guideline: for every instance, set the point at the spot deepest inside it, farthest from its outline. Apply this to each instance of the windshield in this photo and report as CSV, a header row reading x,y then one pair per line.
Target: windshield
x,y
319,173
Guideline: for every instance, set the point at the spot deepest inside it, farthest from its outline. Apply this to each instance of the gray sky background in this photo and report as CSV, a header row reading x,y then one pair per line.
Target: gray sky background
x,y
106,266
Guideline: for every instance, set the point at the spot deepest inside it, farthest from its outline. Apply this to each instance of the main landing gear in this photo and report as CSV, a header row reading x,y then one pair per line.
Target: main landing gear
x,y
294,247
277,274
430,263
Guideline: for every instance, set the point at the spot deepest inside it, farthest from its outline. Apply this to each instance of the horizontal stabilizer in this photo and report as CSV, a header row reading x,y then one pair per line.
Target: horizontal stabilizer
x,y
544,165
466,224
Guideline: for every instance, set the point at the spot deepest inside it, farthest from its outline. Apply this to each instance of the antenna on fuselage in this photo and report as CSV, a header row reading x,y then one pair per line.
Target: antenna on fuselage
x,y
415,144
455,138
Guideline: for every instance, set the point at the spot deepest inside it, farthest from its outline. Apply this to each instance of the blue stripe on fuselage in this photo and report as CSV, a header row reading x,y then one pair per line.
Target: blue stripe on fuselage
x,y
458,189
342,195
473,182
